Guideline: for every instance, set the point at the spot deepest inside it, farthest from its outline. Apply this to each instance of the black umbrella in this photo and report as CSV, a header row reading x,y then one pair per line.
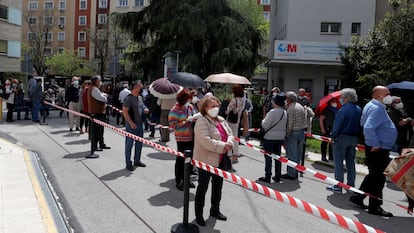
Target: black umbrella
x,y
187,80
405,90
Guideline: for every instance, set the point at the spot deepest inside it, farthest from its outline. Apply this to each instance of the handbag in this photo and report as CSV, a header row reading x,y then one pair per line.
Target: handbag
x,y
233,116
225,163
262,131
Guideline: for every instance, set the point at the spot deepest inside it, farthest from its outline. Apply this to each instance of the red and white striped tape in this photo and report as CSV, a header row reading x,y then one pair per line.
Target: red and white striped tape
x,y
328,139
312,209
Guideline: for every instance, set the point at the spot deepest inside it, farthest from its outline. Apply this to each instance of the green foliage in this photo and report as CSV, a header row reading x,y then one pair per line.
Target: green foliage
x,y
212,37
68,64
257,113
385,56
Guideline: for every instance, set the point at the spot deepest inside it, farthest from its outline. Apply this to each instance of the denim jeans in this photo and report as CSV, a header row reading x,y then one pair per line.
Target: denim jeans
x,y
344,149
272,146
139,131
294,149
35,109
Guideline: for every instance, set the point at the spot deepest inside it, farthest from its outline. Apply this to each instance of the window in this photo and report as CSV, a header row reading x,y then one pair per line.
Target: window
x,y
62,21
103,3
81,52
356,29
83,5
123,3
4,12
139,2
331,28
47,36
48,20
3,46
60,49
264,2
102,18
82,20
81,36
32,20
61,36
266,15
47,51
62,5
32,6
31,36
48,5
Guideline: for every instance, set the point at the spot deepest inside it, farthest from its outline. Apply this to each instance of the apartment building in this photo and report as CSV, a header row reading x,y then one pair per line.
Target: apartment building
x,y
10,35
305,40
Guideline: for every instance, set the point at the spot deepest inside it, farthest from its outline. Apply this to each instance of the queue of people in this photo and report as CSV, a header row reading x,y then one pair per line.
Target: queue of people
x,y
198,127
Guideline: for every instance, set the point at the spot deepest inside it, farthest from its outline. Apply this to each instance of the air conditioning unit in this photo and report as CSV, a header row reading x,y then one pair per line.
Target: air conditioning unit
x,y
62,10
61,26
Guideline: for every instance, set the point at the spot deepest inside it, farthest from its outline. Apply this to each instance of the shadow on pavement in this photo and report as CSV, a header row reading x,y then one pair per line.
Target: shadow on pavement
x,y
77,155
59,131
286,186
161,156
172,197
116,174
385,224
341,201
322,167
84,141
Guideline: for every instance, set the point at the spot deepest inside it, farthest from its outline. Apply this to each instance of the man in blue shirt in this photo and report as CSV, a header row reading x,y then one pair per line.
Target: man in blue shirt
x,y
380,135
344,133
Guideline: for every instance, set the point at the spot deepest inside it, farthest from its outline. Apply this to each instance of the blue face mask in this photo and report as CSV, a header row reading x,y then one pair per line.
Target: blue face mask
x,y
341,101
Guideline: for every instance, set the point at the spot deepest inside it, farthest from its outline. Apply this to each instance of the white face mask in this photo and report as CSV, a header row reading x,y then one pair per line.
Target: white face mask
x,y
194,100
75,83
335,105
187,104
213,112
387,99
399,106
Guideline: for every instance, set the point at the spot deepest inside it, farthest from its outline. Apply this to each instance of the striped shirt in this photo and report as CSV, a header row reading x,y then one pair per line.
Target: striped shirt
x,y
177,119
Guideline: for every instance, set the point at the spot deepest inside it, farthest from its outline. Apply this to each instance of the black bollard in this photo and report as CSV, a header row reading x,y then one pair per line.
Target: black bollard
x,y
43,112
186,227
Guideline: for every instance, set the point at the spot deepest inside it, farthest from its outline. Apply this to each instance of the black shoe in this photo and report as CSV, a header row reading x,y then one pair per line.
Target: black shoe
x,y
180,186
286,176
139,164
99,149
151,135
105,147
277,180
77,129
358,201
194,172
70,130
324,159
129,167
264,179
218,215
192,185
200,221
380,212
92,156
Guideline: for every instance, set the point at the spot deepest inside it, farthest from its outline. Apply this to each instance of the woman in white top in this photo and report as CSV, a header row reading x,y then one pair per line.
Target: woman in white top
x,y
274,124
237,106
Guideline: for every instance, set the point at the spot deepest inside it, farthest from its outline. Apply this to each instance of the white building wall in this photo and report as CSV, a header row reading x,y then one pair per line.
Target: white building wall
x,y
298,20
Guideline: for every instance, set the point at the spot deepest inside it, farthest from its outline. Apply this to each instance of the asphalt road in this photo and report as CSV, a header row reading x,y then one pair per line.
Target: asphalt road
x,y
100,195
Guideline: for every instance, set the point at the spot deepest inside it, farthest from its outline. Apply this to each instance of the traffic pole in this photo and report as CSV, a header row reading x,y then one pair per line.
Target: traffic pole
x,y
186,227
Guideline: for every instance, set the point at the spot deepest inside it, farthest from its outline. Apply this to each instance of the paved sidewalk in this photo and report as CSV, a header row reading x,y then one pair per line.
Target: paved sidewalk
x,y
22,204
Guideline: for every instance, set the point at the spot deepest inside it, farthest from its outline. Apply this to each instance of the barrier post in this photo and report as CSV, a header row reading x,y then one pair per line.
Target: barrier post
x,y
186,227
43,111
1,108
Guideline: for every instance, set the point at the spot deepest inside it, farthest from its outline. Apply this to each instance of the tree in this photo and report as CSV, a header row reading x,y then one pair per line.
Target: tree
x,y
69,64
212,37
386,55
39,38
